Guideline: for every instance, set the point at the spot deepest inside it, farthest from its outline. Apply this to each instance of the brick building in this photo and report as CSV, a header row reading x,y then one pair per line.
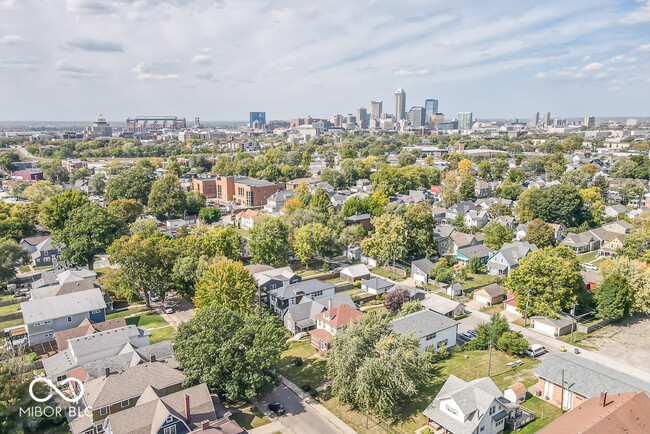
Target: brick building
x,y
29,174
240,189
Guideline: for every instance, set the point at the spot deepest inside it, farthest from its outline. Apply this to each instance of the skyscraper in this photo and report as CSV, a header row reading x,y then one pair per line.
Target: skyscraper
x,y
547,118
535,119
400,104
590,121
256,116
465,121
430,108
362,114
375,109
416,116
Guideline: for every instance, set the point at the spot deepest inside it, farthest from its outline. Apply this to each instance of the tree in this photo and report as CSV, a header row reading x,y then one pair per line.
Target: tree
x,y
388,241
450,188
7,159
41,191
311,240
410,307
97,183
268,241
614,298
594,204
509,190
637,275
485,171
540,234
465,167
226,283
512,343
12,256
209,214
629,190
126,209
55,172
186,273
16,221
467,188
499,209
167,199
475,265
555,204
134,183
115,284
420,230
195,201
89,230
375,370
233,352
496,234
146,264
320,200
489,332
442,271
395,298
57,209
548,279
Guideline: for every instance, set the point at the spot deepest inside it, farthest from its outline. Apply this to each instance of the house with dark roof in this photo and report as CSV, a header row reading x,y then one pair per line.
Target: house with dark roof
x,y
354,273
501,263
376,285
490,294
269,278
429,328
331,321
301,317
288,295
583,379
360,219
480,251
420,269
462,407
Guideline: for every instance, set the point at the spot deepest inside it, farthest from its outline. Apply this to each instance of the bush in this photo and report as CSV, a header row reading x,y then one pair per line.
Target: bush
x,y
357,284
32,357
297,361
306,387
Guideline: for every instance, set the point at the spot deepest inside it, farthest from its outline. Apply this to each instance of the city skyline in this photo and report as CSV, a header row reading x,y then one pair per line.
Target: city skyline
x,y
76,58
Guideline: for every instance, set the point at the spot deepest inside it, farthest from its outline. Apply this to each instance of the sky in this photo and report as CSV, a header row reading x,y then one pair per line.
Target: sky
x,y
220,59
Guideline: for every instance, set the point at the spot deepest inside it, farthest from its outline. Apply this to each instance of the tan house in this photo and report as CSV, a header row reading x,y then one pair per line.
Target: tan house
x,y
489,295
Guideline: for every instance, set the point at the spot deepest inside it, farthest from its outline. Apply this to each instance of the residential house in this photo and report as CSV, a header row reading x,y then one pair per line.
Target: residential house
x,y
283,297
376,285
429,328
476,219
443,236
30,243
331,321
454,290
87,327
69,287
60,275
490,295
269,278
522,231
482,189
46,316
118,391
621,413
618,227
507,258
480,251
583,379
442,305
354,273
485,204
436,192
461,208
613,211
247,218
591,279
95,346
46,253
555,327
420,270
462,407
301,317
610,245
360,219
594,239
507,221
363,185
277,201
439,214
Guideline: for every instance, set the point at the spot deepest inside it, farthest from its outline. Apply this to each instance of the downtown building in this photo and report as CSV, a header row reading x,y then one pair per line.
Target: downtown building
x,y
147,124
240,189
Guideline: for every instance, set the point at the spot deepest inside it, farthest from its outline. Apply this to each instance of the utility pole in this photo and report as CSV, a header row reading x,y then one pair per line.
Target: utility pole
x,y
562,395
526,313
490,358
573,319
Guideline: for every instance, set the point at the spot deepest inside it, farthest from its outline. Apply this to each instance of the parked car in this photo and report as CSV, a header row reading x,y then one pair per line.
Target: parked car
x,y
590,267
154,297
536,350
277,408
168,309
467,337
472,332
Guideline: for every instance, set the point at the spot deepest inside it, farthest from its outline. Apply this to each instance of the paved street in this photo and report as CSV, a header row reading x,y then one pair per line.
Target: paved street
x,y
183,309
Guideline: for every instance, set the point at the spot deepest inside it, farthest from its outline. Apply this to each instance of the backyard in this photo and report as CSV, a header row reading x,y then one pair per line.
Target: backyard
x,y
141,316
249,418
11,308
387,274
478,280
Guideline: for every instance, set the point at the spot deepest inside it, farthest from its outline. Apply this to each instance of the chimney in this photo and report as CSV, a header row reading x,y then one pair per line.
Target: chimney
x,y
603,398
329,303
187,408
107,371
152,358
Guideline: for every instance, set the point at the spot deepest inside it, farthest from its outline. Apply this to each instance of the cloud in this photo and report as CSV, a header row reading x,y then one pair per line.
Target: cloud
x,y
643,48
201,59
593,66
94,45
639,16
72,69
411,72
208,76
28,64
11,40
156,71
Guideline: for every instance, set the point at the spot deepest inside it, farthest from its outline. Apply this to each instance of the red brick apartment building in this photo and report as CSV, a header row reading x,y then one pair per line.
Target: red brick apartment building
x,y
240,189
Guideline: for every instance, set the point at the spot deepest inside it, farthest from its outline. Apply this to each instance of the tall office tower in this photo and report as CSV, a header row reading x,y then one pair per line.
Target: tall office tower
x,y
375,109
197,121
430,108
256,116
465,121
400,104
547,118
436,119
416,116
362,114
535,119
590,121
337,120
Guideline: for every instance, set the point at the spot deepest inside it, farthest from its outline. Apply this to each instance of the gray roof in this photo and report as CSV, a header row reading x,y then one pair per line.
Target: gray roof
x,y
439,304
562,320
64,288
493,290
477,251
62,306
423,264
513,252
304,287
587,378
444,231
377,283
473,398
358,217
357,270
307,308
423,323
161,350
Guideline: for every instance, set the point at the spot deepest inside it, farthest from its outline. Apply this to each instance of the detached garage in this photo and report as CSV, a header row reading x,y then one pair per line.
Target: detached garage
x,y
552,326
489,295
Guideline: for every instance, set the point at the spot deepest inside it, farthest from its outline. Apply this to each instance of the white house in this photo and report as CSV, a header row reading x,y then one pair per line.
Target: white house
x,y
430,328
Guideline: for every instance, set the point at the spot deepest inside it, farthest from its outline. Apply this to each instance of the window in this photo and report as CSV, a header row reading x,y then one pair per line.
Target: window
x,y
48,335
272,286
96,311
170,429
431,336
100,428
169,419
125,403
482,428
69,319
442,344
492,410
316,294
451,410
61,377
103,411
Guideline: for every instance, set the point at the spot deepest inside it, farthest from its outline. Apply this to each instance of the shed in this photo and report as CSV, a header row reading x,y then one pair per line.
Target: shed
x,y
516,392
552,326
355,272
490,294
455,289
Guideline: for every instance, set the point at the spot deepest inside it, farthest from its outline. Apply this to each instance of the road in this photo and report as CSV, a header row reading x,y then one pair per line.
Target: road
x,y
303,414
27,154
183,309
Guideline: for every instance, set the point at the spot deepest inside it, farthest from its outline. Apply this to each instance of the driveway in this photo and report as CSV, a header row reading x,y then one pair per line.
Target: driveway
x,y
183,309
303,414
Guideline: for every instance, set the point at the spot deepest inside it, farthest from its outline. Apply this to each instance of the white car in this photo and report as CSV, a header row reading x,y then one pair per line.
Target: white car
x,y
168,309
590,267
154,297
536,350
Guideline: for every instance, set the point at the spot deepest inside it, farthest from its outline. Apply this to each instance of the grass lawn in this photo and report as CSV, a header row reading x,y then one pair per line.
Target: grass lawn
x,y
161,334
587,257
491,310
249,418
598,262
379,309
123,313
470,368
10,308
387,274
43,267
101,270
11,323
545,412
312,372
353,291
147,320
474,280
24,268
300,349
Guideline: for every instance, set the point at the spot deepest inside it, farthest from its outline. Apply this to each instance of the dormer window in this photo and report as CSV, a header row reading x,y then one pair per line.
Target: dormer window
x,y
451,410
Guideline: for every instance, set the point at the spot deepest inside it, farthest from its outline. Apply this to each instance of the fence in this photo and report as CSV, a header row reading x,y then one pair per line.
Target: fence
x,y
372,422
584,328
14,300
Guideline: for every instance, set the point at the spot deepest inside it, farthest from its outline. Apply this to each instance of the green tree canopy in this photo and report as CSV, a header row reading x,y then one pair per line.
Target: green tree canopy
x,y
134,183
614,298
126,209
167,199
559,203
268,241
388,241
226,283
496,234
540,234
57,209
12,256
209,214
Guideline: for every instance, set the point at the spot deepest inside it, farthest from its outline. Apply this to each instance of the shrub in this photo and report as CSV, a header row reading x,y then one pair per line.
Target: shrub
x,y
306,387
297,361
32,357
